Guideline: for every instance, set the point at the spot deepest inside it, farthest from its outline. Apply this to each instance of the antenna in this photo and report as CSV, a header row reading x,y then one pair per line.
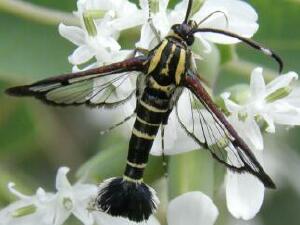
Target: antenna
x,y
247,41
213,13
188,11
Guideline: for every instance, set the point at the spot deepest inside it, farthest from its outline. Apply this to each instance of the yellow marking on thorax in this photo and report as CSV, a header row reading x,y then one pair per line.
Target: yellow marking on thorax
x,y
165,70
157,56
145,122
142,135
132,180
157,86
152,108
180,66
173,34
136,165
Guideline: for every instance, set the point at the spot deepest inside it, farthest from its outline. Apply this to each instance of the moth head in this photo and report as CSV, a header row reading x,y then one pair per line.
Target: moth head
x,y
184,31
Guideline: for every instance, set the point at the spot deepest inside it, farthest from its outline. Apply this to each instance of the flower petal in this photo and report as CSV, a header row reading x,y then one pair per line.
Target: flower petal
x,y
206,45
249,131
192,208
294,97
281,81
270,122
74,34
240,19
230,105
84,191
81,212
11,188
61,214
81,55
284,113
244,195
257,84
62,181
147,37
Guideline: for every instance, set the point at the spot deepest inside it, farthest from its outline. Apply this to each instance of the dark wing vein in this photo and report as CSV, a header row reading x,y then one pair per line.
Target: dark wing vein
x,y
108,85
208,131
94,92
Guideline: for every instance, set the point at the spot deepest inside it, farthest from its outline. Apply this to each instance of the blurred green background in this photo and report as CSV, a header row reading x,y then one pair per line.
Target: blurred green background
x,y
36,139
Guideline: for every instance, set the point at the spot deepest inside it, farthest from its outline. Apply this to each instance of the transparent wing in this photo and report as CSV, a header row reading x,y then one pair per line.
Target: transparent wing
x,y
211,130
104,86
208,132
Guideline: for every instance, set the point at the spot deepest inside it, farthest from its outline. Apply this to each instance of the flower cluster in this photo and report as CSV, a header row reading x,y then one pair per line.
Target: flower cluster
x,y
262,108
55,208
102,22
50,208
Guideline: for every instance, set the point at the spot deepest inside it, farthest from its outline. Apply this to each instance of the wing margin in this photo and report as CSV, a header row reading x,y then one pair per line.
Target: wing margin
x,y
83,79
193,83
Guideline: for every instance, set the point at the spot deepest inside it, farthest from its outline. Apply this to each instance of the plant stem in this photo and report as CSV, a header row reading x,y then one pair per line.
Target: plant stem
x,y
37,13
193,171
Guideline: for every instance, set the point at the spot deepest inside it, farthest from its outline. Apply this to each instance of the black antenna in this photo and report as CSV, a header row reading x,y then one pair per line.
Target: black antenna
x,y
149,10
247,41
188,11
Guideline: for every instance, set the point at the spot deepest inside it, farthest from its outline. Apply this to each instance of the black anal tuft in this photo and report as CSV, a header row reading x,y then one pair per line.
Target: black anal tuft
x,y
132,200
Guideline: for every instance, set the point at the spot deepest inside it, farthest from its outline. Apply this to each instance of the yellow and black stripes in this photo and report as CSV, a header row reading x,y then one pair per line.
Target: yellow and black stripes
x,y
151,112
166,67
168,62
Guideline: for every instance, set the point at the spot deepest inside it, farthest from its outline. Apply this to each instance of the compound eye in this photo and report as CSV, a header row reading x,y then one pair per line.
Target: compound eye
x,y
190,40
176,28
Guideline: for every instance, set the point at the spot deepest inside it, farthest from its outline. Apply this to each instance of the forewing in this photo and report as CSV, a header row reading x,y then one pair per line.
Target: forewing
x,y
208,132
211,130
104,86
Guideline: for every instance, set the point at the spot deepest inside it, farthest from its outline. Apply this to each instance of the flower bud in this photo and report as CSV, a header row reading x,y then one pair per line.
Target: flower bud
x,y
24,211
88,18
278,94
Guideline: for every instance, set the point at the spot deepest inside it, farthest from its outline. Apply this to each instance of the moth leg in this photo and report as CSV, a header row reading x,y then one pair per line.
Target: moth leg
x,y
193,67
155,31
165,164
117,124
143,51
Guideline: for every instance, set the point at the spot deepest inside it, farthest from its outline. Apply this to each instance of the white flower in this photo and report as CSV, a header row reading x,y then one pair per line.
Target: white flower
x,y
72,199
192,208
49,208
275,102
240,18
244,194
237,17
27,209
98,39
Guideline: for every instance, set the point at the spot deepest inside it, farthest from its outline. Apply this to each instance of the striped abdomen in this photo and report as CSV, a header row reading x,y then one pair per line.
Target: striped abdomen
x,y
166,66
150,113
